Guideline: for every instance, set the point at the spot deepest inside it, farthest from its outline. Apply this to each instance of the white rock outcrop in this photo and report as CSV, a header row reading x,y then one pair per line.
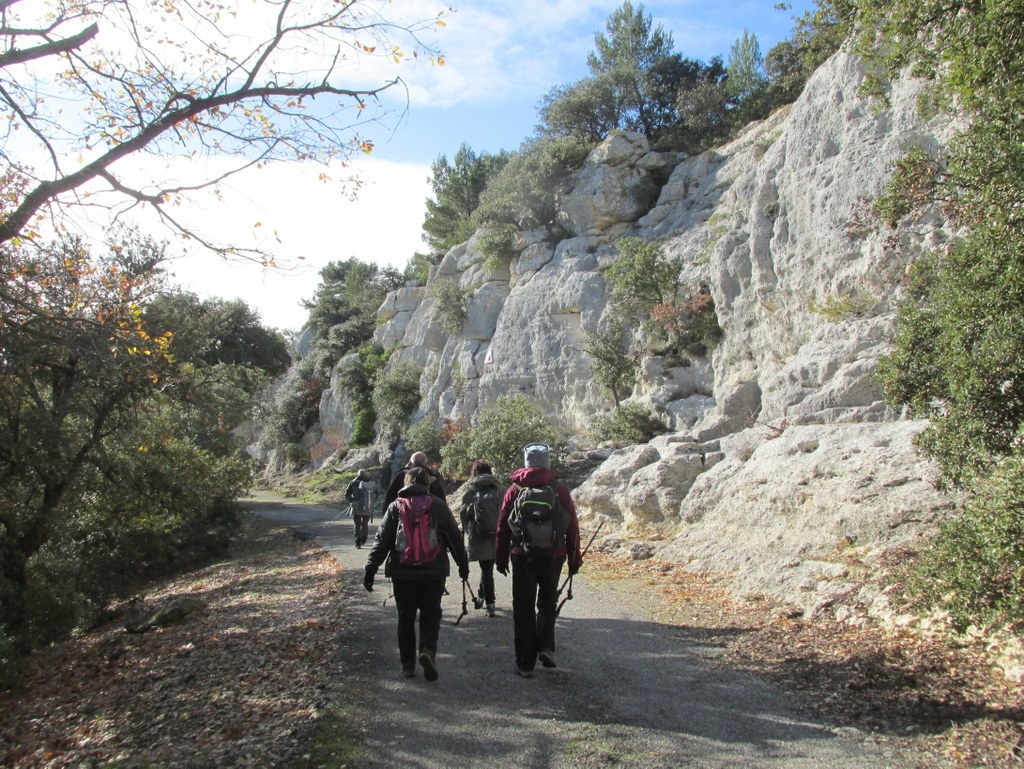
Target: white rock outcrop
x,y
783,467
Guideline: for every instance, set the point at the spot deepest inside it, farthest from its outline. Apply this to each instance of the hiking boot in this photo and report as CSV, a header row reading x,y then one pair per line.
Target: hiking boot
x,y
490,610
523,673
409,671
478,603
429,668
547,658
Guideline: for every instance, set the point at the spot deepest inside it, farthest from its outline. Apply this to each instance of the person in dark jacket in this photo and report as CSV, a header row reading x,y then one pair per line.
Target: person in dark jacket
x,y
360,493
417,589
482,545
418,459
535,578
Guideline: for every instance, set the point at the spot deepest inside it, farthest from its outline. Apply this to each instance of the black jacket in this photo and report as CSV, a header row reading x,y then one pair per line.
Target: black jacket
x,y
384,543
436,487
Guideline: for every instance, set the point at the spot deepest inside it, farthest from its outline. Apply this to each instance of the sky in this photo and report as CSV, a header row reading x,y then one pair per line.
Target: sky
x,y
501,58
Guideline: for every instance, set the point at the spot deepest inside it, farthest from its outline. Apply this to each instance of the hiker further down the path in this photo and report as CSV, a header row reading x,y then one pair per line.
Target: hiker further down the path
x,y
478,513
418,459
415,536
360,493
537,531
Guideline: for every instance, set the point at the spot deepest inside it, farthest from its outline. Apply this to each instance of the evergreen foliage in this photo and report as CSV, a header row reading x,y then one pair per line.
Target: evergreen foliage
x,y
958,357
628,422
117,405
498,436
451,303
343,315
396,396
975,568
641,276
746,84
457,186
523,193
424,436
613,362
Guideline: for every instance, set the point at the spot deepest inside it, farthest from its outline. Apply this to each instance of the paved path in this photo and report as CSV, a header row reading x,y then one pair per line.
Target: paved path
x,y
628,691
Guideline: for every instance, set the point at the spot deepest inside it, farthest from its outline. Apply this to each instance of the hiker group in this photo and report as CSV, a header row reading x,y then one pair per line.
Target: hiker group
x,y
530,526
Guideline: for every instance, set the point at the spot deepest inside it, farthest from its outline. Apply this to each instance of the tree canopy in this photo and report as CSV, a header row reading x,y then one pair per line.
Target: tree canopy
x,y
177,79
118,403
457,186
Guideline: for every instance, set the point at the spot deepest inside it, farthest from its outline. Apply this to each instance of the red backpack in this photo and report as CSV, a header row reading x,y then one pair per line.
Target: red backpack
x,y
416,542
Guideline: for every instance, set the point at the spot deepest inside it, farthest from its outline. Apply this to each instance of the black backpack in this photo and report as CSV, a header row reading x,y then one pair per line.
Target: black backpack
x,y
538,521
486,504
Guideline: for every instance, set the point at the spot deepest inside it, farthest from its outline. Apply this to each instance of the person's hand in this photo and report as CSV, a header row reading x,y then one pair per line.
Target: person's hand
x,y
575,567
368,576
502,569
464,571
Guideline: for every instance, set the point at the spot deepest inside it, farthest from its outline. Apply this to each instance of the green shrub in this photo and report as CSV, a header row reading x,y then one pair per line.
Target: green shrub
x,y
975,567
418,268
641,276
524,191
613,362
499,435
294,406
451,302
161,509
396,396
497,243
958,355
628,422
362,427
424,436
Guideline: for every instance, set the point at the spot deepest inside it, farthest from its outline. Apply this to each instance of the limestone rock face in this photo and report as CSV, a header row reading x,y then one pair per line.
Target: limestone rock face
x,y
782,465
811,515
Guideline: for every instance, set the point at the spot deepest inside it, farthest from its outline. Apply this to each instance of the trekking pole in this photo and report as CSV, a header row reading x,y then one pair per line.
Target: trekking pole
x,y
568,580
465,609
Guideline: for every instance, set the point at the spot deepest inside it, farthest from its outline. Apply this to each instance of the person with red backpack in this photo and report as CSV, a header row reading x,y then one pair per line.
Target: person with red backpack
x,y
415,536
537,532
478,513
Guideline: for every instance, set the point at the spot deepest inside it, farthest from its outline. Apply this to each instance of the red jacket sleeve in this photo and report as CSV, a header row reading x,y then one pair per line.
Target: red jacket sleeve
x,y
504,536
572,531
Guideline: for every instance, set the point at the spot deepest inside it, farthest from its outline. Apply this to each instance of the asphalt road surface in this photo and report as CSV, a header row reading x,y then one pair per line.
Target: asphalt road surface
x,y
627,692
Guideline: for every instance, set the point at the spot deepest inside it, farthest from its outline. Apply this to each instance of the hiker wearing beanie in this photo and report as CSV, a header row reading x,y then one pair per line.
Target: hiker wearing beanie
x,y
415,536
537,532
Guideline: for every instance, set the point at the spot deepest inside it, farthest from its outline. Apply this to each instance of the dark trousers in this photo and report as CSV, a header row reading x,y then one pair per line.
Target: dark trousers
x,y
534,581
412,596
486,590
362,528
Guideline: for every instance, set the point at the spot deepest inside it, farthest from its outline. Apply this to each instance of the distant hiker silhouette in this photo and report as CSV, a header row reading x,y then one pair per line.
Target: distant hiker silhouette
x,y
478,513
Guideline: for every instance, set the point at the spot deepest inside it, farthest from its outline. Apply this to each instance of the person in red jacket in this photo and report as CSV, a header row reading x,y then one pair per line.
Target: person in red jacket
x,y
535,576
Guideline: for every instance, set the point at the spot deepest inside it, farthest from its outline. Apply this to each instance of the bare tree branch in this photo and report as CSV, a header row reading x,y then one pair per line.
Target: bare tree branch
x,y
20,56
278,98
